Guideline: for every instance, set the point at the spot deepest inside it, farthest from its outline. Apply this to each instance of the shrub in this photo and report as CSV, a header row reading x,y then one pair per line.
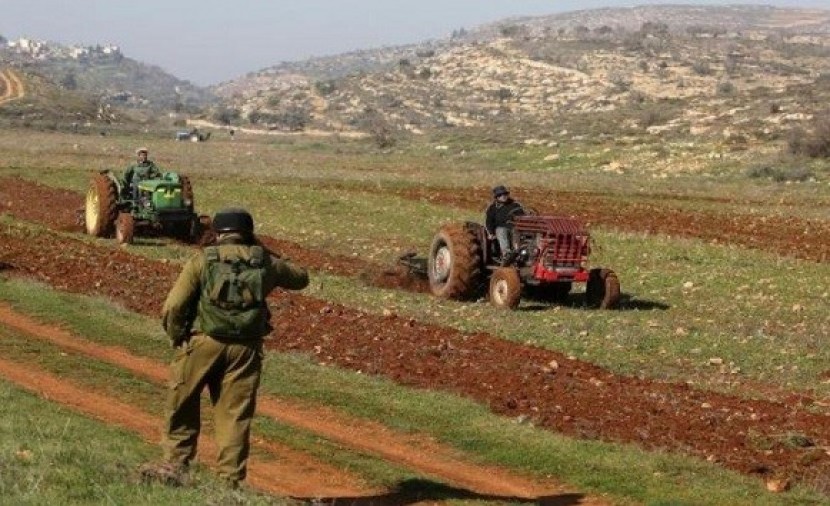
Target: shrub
x,y
326,87
726,88
620,81
702,68
731,64
781,172
816,143
504,94
654,115
226,115
378,127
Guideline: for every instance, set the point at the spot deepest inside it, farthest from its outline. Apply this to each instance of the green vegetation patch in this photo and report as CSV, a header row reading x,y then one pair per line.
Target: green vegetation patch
x,y
623,472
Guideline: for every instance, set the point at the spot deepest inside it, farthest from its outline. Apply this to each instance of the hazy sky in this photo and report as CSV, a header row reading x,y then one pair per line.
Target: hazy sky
x,y
206,41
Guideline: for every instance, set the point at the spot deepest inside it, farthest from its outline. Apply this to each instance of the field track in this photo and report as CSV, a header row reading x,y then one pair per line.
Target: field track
x,y
288,476
321,480
579,399
11,86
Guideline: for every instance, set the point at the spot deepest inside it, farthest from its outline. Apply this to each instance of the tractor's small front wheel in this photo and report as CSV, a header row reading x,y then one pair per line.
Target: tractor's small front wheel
x,y
125,228
603,289
505,288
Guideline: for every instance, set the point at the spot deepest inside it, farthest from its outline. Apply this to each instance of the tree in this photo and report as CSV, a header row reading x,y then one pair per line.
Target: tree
x,y
69,82
226,115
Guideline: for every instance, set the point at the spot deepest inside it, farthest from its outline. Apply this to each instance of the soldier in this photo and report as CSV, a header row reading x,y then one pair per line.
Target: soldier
x,y
142,169
220,293
498,221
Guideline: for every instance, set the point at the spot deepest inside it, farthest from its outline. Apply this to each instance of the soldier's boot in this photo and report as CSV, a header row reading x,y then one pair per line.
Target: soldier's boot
x,y
508,258
164,473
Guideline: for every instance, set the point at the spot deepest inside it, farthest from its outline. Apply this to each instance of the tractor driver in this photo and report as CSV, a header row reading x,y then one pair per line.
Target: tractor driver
x,y
499,221
142,169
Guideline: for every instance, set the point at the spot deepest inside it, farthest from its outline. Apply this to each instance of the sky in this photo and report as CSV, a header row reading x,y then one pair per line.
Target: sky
x,y
208,42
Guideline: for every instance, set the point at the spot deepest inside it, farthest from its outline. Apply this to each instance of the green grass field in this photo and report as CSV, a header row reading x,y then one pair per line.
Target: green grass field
x,y
721,317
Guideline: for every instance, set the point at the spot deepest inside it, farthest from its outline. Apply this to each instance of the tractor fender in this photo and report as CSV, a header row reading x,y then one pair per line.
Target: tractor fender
x,y
119,183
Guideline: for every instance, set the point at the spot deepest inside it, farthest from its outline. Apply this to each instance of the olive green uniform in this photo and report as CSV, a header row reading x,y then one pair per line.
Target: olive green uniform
x,y
140,171
229,368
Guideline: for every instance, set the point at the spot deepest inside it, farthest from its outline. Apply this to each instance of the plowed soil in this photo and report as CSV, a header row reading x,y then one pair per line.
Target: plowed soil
x,y
574,398
787,236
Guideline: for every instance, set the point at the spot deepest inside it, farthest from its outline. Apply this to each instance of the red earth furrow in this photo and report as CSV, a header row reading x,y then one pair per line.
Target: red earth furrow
x,y
577,398
788,236
293,475
416,453
57,208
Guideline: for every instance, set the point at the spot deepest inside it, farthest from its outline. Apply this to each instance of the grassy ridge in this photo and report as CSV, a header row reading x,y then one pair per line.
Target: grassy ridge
x,y
623,472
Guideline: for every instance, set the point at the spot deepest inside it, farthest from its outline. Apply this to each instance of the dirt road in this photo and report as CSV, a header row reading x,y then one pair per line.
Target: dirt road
x,y
301,476
11,86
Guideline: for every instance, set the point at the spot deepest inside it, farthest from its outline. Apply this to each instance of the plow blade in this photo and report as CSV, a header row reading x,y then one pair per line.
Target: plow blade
x,y
417,266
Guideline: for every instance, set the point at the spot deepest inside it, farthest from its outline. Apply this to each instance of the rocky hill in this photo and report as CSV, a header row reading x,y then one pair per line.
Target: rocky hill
x,y
102,74
737,73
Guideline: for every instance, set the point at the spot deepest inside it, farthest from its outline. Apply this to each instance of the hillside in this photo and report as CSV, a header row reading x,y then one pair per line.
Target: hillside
x,y
740,74
102,74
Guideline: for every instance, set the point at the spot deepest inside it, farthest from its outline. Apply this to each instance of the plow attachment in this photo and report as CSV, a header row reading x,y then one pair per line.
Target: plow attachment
x,y
415,265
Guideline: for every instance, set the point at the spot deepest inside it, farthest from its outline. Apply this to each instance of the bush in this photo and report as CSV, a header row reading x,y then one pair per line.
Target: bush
x,y
378,127
781,173
702,68
620,81
326,87
726,88
816,143
226,115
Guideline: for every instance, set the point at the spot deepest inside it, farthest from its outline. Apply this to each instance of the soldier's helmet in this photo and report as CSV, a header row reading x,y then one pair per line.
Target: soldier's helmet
x,y
500,190
141,150
233,219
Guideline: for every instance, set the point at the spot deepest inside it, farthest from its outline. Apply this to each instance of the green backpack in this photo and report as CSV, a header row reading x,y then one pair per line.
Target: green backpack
x,y
232,303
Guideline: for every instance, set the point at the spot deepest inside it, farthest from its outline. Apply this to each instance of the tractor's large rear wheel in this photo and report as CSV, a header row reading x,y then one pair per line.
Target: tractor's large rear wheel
x,y
100,209
125,228
603,289
454,265
505,288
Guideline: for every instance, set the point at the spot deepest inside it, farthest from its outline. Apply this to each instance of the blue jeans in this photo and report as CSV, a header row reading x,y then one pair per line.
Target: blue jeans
x,y
504,236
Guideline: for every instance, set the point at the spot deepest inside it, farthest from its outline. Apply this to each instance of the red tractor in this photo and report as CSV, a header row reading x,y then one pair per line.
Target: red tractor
x,y
550,255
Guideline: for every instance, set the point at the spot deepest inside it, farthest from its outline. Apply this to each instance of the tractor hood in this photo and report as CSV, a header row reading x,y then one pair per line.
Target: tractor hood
x,y
166,195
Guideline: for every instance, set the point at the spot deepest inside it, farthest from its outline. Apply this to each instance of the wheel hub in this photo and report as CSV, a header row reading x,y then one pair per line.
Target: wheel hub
x,y
442,265
91,209
500,291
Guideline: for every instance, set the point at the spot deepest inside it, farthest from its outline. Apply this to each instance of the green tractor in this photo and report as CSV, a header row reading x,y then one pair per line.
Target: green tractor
x,y
147,207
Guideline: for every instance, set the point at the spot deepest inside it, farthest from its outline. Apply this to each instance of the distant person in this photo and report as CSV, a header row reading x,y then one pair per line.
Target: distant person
x,y
232,132
142,169
499,221
216,316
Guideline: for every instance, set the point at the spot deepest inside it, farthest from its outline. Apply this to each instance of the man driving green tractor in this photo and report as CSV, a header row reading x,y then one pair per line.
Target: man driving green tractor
x,y
145,200
144,168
